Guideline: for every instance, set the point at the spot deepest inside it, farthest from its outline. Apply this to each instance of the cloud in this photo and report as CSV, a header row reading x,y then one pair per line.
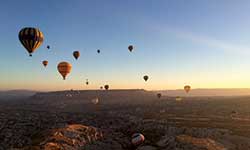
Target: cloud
x,y
208,41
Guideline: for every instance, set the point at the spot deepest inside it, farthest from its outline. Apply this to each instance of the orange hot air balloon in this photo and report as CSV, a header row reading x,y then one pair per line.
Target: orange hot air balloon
x,y
31,38
145,78
187,88
64,69
45,63
130,48
106,87
76,54
159,95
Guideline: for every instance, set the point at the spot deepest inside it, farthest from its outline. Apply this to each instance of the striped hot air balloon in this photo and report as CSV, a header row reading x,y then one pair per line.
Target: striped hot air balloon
x,y
64,69
31,38
137,139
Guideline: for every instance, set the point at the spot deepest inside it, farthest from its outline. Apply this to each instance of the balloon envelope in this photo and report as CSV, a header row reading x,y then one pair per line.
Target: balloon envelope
x,y
130,48
187,88
159,95
64,69
145,78
76,54
31,38
45,63
137,139
106,87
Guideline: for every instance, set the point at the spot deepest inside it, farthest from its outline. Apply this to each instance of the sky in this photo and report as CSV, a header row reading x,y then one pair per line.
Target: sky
x,y
203,43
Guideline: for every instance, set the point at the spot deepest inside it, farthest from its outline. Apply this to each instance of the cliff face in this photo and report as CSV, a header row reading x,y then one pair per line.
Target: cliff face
x,y
71,137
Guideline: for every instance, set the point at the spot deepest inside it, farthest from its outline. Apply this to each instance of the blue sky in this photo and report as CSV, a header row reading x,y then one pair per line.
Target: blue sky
x,y
204,43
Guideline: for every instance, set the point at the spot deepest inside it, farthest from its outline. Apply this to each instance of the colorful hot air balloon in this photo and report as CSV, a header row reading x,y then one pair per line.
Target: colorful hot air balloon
x,y
64,69
48,47
98,51
95,101
130,48
159,95
187,88
137,139
145,78
76,54
31,38
45,63
106,87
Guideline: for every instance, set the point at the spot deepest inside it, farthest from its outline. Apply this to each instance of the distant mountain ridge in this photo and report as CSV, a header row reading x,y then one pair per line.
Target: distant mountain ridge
x,y
16,94
208,92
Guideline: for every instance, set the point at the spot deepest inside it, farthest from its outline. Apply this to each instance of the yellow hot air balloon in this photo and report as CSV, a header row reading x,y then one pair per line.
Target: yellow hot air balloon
x,y
45,63
130,48
145,78
76,54
64,69
187,88
31,38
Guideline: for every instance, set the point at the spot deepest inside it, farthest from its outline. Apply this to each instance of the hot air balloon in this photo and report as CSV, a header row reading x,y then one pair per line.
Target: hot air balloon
x,y
137,139
95,101
106,87
87,82
145,77
76,54
130,48
31,38
101,87
48,47
187,88
98,51
159,95
64,69
45,63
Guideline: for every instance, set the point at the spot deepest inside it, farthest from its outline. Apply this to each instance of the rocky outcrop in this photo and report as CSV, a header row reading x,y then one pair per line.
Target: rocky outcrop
x,y
71,137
